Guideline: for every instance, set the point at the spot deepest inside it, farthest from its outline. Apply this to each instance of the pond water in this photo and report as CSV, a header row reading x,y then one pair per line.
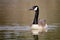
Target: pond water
x,y
24,33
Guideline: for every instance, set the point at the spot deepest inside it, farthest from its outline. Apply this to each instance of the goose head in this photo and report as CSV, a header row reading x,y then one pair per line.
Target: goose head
x,y
35,8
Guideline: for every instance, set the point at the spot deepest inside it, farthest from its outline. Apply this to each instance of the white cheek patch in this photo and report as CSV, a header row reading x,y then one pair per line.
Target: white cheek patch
x,y
35,9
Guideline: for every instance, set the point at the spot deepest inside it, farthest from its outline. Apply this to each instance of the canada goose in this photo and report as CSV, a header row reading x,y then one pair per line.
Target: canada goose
x,y
35,27
35,21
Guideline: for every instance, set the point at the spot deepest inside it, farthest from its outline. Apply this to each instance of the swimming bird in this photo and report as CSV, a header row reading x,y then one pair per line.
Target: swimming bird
x,y
35,27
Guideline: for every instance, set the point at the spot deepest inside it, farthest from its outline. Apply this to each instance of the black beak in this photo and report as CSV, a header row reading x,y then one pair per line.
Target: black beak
x,y
31,9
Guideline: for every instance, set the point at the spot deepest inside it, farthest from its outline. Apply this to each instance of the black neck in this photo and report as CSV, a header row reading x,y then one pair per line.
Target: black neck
x,y
35,21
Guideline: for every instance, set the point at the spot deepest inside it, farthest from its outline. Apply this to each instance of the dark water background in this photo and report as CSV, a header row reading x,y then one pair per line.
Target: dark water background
x,y
24,33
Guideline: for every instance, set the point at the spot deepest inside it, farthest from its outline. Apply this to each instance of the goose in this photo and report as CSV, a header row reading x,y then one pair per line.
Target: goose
x,y
35,26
